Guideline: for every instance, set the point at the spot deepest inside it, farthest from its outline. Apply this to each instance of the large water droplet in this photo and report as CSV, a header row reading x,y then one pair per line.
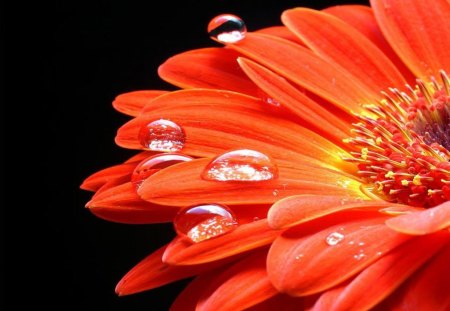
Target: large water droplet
x,y
203,222
153,164
162,135
334,238
227,28
241,165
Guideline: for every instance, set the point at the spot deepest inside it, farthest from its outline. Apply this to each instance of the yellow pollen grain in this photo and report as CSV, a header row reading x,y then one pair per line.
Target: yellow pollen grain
x,y
379,140
389,175
405,182
416,180
364,152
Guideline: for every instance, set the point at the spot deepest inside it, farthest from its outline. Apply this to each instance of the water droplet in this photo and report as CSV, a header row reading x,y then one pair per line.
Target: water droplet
x,y
361,243
153,164
227,28
162,135
275,192
334,238
205,221
359,256
241,165
299,256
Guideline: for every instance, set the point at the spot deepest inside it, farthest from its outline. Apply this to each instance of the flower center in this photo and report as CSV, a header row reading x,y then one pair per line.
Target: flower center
x,y
402,148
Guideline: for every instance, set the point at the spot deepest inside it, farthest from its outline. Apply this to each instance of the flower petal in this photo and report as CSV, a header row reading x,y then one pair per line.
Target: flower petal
x,y
362,19
98,179
342,45
427,289
212,68
240,286
423,222
151,272
418,31
281,32
182,185
308,70
301,264
245,237
132,103
314,116
282,302
122,204
188,298
302,208
378,280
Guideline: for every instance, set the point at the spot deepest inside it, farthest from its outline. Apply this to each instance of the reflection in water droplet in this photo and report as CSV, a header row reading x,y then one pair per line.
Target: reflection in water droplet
x,y
162,135
241,165
275,192
203,222
334,238
153,164
299,256
227,28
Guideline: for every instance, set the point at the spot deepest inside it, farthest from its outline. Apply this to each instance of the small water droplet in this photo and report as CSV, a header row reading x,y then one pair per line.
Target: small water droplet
x,y
275,192
241,165
272,101
153,164
343,183
205,221
379,253
227,28
359,256
162,135
334,238
361,243
351,243
299,256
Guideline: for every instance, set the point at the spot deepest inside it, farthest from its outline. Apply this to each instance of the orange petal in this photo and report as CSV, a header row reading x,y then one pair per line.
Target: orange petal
x,y
344,46
281,32
246,237
98,179
182,185
362,19
427,289
300,264
381,278
423,222
319,119
282,302
151,272
240,286
418,31
122,204
303,67
188,298
211,68
302,208
217,121
132,103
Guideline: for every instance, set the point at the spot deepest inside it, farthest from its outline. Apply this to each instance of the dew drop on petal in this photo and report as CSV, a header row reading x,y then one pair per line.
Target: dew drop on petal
x,y
227,28
162,135
205,221
241,165
153,164
334,238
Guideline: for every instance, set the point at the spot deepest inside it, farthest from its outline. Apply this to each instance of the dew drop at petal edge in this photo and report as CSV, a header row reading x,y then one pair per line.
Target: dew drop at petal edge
x,y
227,28
205,221
153,164
162,135
241,165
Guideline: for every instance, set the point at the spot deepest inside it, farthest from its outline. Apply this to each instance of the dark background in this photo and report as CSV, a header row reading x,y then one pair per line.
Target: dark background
x,y
70,63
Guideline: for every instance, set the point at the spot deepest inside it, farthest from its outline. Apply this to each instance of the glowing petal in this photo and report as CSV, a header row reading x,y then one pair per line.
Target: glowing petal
x,y
300,264
418,31
422,222
340,44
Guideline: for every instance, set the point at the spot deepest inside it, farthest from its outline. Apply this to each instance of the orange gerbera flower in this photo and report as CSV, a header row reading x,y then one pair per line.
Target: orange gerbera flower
x,y
304,166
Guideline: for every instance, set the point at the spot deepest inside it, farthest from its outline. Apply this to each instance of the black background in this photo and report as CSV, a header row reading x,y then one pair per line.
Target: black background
x,y
69,64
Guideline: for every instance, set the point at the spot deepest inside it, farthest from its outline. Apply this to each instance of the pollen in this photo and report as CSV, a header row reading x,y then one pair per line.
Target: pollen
x,y
401,145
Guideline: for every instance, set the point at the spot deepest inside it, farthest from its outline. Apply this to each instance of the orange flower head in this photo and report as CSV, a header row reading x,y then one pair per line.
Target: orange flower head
x,y
304,166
